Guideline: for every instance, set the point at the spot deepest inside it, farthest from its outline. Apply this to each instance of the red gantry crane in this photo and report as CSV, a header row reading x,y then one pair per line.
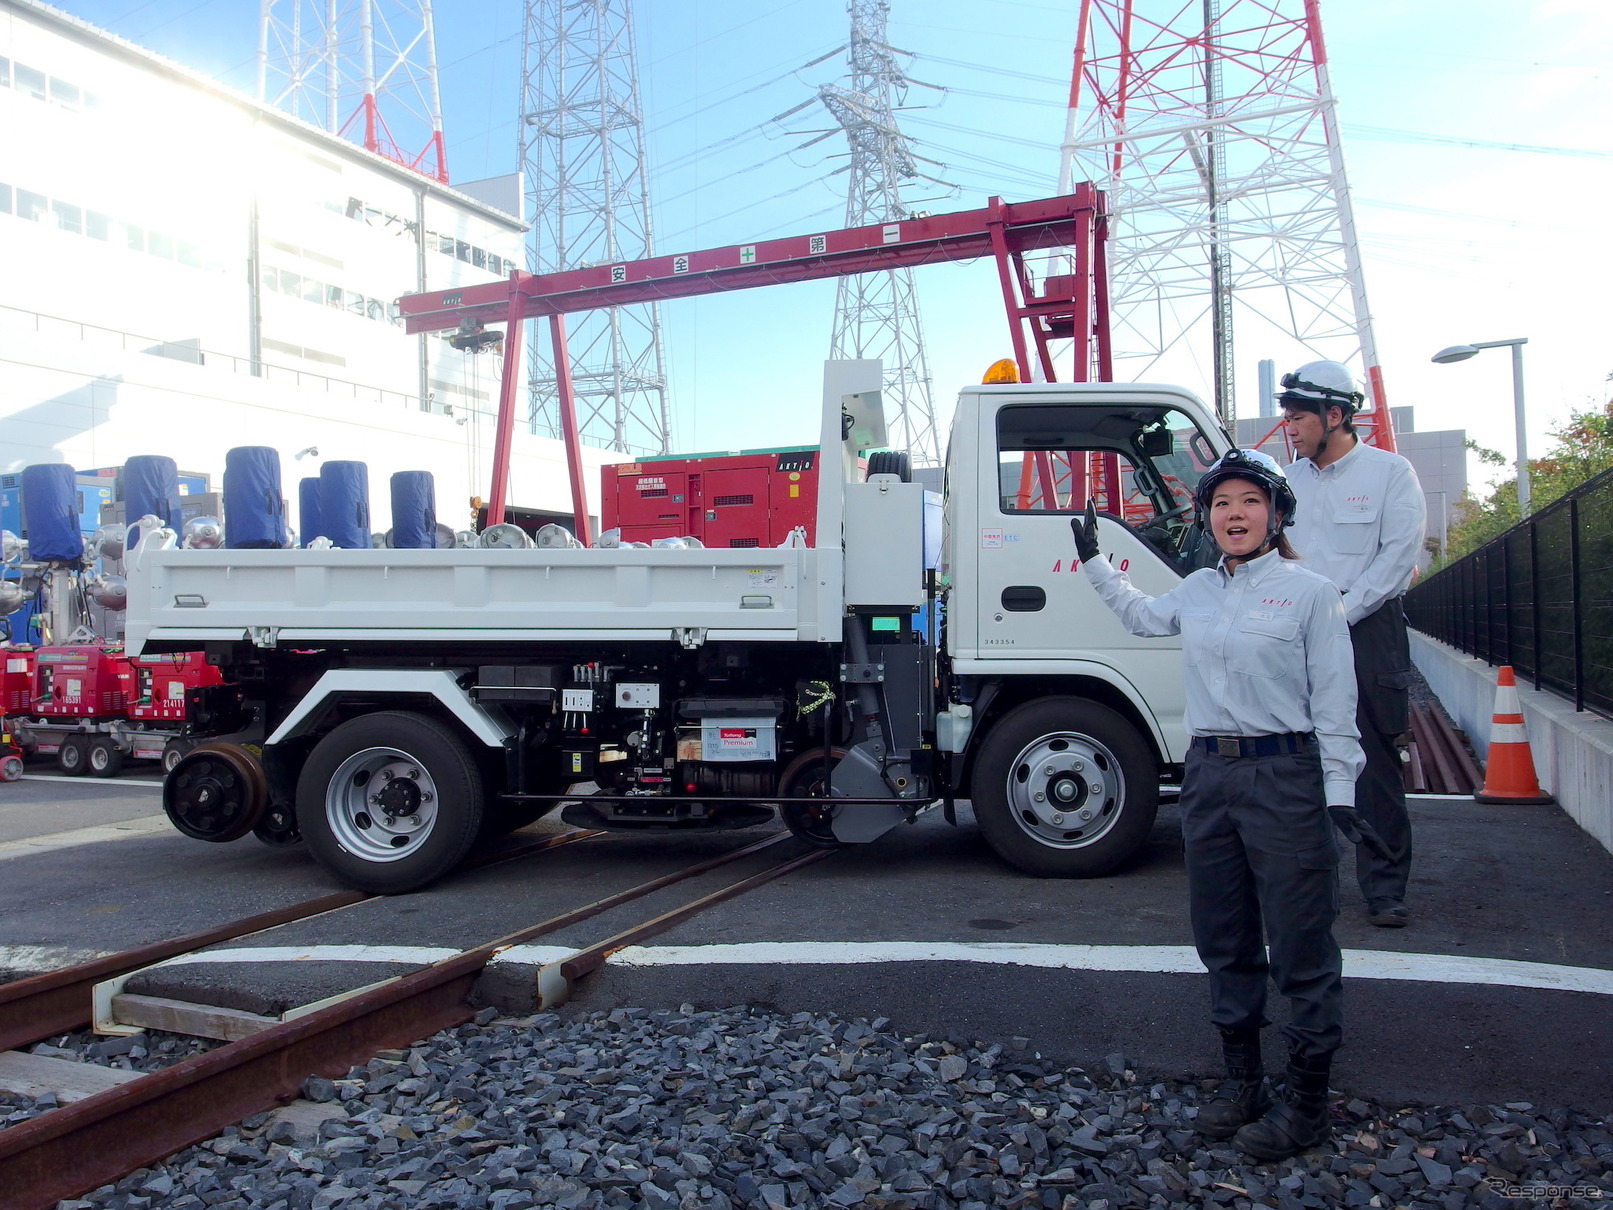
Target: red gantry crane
x,y
1072,305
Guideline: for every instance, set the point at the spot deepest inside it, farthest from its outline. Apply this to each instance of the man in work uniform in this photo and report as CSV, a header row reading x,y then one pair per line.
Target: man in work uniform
x,y
1360,523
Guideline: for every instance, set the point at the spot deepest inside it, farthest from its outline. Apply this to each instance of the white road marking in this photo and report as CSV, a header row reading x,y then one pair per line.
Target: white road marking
x,y
1163,959
126,829
96,781
1154,959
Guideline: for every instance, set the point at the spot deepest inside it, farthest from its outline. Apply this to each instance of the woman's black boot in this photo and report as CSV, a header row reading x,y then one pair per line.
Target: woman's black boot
x,y
1299,1120
1241,1098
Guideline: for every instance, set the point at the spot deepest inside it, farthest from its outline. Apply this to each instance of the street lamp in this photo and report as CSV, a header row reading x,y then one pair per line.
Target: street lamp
x,y
1462,353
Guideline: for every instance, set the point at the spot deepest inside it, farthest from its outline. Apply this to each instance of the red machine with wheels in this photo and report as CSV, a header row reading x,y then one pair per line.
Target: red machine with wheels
x,y
10,758
95,707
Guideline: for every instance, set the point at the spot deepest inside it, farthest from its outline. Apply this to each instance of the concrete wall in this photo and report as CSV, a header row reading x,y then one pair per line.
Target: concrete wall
x,y
1573,752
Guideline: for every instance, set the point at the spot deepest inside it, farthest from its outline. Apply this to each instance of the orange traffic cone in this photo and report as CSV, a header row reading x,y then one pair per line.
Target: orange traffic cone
x,y
1510,775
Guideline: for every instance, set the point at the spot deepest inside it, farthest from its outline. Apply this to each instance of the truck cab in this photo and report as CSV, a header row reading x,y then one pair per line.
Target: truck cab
x,y
1062,721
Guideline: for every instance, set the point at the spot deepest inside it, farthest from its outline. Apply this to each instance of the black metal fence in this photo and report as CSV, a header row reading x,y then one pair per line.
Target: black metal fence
x,y
1539,597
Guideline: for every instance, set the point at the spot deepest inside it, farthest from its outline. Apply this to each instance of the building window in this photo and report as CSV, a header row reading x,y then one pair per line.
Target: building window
x,y
62,92
290,283
478,258
5,199
134,238
97,226
31,205
189,254
30,80
68,217
160,245
5,72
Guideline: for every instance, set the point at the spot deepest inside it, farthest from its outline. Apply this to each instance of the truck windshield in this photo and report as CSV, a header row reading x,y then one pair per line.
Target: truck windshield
x,y
1139,465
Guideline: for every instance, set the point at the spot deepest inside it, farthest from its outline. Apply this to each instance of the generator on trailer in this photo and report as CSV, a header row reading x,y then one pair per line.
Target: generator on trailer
x,y
395,705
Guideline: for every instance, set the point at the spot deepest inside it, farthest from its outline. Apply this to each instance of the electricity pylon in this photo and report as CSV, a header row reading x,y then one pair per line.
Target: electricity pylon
x,y
1211,125
362,69
582,150
876,314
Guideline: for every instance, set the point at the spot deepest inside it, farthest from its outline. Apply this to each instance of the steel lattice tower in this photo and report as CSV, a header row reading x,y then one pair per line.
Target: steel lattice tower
x,y
363,69
876,314
1212,126
582,149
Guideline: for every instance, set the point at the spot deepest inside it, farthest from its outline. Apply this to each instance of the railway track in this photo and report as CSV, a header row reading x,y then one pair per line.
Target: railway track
x,y
79,1147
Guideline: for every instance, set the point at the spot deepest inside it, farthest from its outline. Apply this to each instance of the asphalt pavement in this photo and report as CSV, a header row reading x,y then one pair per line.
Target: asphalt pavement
x,y
1500,990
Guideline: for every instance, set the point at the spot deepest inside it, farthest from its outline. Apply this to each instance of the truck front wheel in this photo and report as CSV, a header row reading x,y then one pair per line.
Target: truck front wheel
x,y
389,802
1065,788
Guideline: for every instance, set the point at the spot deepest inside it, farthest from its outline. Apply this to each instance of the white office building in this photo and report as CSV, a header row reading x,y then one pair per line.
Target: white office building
x,y
183,270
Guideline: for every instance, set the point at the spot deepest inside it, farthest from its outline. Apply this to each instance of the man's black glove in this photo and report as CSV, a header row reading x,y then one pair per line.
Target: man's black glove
x,y
1085,529
1358,831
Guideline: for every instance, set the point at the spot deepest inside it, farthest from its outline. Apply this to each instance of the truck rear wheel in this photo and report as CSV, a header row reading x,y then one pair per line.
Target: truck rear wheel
x,y
1065,788
73,757
390,802
105,759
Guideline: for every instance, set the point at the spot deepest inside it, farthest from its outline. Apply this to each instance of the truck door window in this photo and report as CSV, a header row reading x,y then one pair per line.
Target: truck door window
x,y
1139,465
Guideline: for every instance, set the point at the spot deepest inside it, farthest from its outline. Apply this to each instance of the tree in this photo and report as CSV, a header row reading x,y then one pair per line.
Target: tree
x,y
1582,447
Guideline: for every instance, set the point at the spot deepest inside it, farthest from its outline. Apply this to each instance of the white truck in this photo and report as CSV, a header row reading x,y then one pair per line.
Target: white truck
x,y
398,704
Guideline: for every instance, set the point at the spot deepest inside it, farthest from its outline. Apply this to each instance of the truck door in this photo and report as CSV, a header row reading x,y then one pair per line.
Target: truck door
x,y
1139,464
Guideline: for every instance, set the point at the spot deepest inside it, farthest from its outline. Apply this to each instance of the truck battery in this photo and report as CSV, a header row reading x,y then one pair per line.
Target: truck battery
x,y
160,683
726,740
16,680
745,499
81,682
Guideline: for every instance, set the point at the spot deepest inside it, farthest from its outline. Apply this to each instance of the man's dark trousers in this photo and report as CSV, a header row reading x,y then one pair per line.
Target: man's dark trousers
x,y
1261,858
1383,678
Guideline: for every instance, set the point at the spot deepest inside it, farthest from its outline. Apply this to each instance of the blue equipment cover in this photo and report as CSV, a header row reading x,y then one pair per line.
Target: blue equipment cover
x,y
414,510
254,513
344,504
151,486
50,511
308,524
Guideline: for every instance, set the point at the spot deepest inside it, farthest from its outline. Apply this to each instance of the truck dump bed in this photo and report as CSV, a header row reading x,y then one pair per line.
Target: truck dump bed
x,y
179,597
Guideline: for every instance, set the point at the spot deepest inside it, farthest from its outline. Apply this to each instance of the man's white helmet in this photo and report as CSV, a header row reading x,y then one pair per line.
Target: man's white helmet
x,y
1320,385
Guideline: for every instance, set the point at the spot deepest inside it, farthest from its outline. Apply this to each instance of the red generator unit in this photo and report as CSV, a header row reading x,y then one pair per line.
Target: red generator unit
x,y
16,680
162,681
750,498
80,682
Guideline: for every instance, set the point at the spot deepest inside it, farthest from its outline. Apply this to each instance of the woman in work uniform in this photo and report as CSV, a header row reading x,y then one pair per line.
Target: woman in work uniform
x,y
1272,767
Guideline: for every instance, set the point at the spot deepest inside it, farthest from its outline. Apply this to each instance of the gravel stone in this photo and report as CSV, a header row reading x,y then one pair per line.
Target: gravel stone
x,y
741,1109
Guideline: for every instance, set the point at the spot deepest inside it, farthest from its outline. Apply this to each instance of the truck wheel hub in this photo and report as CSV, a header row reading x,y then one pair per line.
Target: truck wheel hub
x,y
381,804
401,796
1066,790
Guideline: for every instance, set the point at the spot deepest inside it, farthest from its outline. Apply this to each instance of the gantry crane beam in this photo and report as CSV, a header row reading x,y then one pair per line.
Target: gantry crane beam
x,y
1071,305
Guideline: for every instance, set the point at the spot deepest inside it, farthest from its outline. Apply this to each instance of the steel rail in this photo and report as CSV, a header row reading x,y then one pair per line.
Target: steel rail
x,y
555,982
79,1147
58,1002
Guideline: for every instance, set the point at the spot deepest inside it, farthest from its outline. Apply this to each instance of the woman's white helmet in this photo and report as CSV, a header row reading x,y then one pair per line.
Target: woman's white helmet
x,y
1319,385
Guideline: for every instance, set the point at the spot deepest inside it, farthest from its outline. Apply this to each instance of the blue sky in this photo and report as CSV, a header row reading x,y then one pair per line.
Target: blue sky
x,y
1463,240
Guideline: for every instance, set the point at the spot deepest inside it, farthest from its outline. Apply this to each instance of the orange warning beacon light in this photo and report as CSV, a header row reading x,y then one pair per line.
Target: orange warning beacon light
x,y
1002,370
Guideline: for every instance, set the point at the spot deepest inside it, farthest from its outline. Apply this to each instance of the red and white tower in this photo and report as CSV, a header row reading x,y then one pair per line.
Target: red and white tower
x,y
362,69
1211,125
